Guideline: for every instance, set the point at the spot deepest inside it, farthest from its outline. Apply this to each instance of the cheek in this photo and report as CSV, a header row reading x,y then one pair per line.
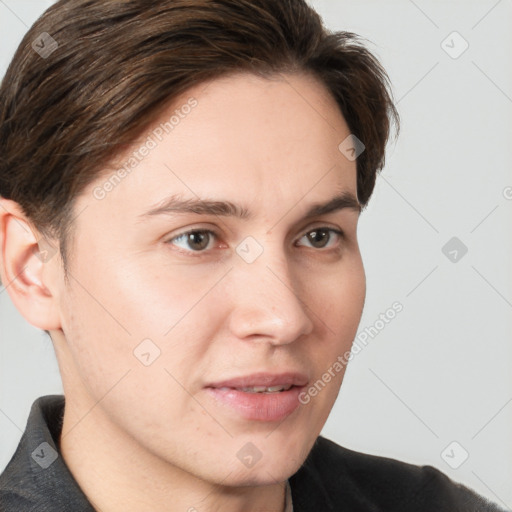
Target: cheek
x,y
97,350
136,376
338,302
133,319
156,297
340,299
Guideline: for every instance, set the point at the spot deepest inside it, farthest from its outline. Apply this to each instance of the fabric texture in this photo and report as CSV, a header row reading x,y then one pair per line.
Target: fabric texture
x,y
332,478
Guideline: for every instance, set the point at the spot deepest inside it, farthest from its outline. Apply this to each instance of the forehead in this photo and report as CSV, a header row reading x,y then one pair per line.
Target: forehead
x,y
238,136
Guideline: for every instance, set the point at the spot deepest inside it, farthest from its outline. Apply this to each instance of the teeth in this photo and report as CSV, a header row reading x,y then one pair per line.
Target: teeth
x,y
255,389
264,389
273,389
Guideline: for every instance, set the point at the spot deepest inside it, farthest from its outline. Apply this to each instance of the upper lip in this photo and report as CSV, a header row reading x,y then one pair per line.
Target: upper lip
x,y
263,379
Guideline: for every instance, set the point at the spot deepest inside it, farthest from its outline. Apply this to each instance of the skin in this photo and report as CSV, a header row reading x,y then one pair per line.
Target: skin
x,y
140,437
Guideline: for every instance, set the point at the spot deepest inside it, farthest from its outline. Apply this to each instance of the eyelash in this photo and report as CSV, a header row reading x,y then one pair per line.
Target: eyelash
x,y
191,252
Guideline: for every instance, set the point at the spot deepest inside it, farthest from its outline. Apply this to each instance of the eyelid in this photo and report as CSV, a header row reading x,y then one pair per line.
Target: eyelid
x,y
216,236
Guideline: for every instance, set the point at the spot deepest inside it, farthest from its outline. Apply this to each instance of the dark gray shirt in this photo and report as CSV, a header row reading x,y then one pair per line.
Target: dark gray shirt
x,y
332,478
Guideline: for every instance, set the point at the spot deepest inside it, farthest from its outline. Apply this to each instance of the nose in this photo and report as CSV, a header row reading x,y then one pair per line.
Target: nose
x,y
266,302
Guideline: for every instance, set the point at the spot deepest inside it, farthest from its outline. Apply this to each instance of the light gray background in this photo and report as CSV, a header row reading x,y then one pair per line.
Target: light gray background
x,y
441,370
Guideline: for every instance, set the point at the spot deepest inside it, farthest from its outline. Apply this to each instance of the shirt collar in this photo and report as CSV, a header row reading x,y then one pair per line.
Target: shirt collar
x,y
37,472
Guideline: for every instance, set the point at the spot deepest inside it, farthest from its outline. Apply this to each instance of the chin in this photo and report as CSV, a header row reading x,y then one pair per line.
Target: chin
x,y
265,460
262,473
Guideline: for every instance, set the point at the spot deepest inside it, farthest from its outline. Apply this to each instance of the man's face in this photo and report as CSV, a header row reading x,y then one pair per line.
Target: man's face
x,y
156,323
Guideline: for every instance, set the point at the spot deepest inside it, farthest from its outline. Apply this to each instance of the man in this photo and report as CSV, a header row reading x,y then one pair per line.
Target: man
x,y
181,184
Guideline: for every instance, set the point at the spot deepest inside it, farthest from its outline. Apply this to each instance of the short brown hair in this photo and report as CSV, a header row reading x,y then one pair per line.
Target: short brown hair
x,y
64,115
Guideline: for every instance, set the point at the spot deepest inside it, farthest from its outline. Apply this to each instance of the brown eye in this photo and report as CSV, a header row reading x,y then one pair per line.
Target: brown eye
x,y
321,238
193,241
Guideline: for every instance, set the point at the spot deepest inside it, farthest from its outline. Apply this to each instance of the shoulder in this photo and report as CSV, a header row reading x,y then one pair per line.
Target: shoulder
x,y
36,479
15,501
380,484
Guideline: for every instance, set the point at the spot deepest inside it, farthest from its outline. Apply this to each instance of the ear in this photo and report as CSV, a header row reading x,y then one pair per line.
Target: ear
x,y
25,260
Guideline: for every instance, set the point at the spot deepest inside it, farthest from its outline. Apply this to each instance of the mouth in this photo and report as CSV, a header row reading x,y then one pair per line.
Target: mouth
x,y
259,397
260,389
263,380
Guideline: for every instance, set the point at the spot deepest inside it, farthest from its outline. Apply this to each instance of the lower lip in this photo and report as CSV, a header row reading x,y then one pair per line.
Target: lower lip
x,y
259,406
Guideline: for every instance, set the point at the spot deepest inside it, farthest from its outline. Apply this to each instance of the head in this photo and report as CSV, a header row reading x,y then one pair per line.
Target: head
x,y
179,209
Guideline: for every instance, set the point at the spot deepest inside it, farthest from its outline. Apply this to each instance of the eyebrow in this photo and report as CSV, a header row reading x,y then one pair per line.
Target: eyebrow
x,y
175,204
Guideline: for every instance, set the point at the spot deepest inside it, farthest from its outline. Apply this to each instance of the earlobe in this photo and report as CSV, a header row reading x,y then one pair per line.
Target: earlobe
x,y
23,256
